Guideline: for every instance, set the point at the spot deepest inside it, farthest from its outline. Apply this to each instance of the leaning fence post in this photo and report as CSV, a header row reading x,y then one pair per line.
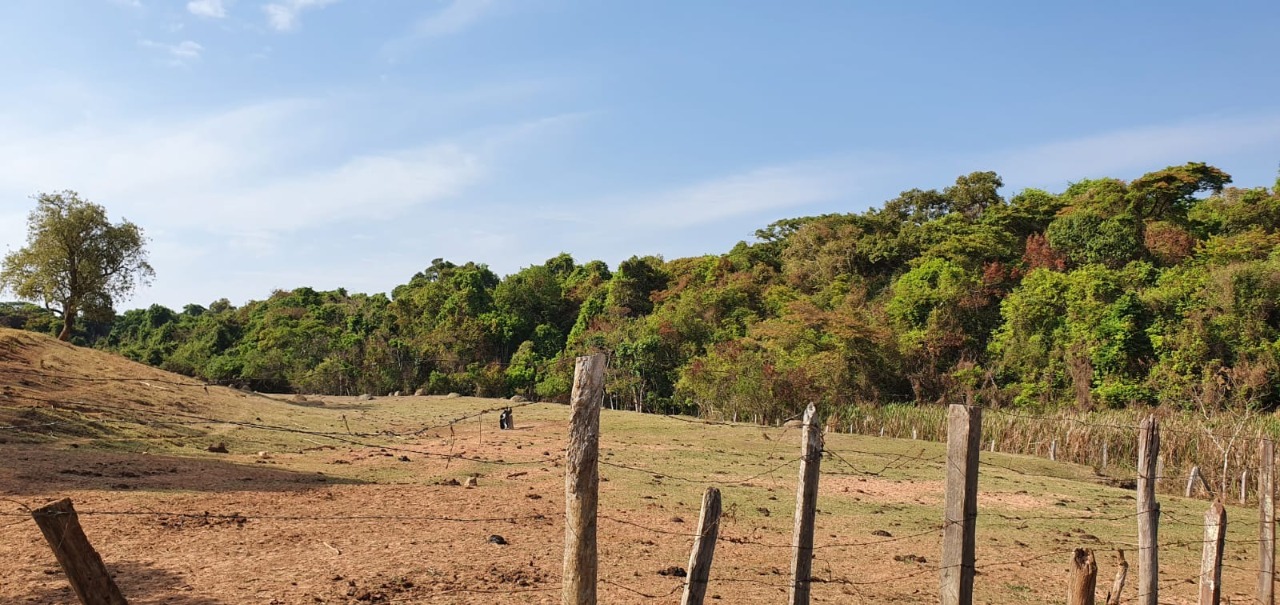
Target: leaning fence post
x,y
1117,587
806,509
964,434
1084,578
85,570
704,548
1267,525
1215,536
1148,513
582,481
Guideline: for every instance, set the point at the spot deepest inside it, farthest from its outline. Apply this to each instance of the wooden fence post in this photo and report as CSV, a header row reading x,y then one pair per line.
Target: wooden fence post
x,y
1053,450
1267,525
1084,578
582,481
1104,455
1215,536
85,570
1148,513
704,548
1191,480
964,435
806,509
1117,587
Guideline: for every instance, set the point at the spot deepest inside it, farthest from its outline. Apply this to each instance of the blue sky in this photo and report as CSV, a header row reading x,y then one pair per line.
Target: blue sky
x,y
269,144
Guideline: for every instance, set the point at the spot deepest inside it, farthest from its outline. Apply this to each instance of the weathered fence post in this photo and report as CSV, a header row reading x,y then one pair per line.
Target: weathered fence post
x,y
806,509
1117,587
85,570
1053,450
1267,525
1244,485
1084,578
1215,536
964,435
582,481
1104,454
1148,513
704,548
1191,480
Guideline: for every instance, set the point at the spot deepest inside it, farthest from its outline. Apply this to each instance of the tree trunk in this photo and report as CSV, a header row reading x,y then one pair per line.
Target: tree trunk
x,y
68,322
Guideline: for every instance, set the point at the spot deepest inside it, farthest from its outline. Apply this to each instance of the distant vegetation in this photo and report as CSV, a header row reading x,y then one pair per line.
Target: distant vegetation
x,y
1164,289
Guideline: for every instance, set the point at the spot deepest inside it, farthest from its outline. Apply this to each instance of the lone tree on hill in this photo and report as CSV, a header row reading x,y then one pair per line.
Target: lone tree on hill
x,y
75,261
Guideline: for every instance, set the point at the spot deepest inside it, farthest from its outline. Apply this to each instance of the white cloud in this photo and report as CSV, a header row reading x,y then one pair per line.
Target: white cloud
x,y
179,54
284,15
1135,149
457,16
213,9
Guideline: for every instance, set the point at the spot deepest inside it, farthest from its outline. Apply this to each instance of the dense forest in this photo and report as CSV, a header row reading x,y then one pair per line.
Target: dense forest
x,y
1160,290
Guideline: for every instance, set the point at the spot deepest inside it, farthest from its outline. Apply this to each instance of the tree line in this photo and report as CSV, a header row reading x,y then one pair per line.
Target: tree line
x,y
1159,290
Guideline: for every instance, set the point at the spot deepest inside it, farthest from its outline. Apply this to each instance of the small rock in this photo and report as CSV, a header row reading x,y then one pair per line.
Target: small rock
x,y
499,540
397,394
518,399
673,571
364,397
419,392
452,396
882,533
472,482
403,458
264,455
218,448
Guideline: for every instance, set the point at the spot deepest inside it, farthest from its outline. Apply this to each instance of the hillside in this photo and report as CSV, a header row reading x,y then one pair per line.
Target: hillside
x,y
349,500
51,390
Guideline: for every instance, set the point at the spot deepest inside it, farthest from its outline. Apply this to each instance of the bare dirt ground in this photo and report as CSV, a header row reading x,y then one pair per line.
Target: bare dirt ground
x,y
340,500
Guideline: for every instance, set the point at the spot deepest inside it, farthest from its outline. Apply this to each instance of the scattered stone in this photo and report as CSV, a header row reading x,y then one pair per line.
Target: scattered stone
x,y
450,482
518,399
882,533
762,510
264,455
452,396
909,559
419,392
300,398
677,520
397,394
364,397
472,482
496,539
674,571
218,448
403,458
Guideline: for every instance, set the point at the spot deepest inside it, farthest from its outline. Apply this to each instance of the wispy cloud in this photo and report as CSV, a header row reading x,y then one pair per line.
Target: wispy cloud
x,y
127,3
455,17
179,54
284,15
759,191
213,9
1135,149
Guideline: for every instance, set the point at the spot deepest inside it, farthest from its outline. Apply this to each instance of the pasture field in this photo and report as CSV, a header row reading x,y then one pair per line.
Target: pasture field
x,y
342,500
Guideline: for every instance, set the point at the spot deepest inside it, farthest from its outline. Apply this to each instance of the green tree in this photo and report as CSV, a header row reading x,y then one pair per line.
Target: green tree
x,y
76,261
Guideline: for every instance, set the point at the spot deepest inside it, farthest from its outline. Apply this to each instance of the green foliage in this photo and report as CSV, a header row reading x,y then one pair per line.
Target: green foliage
x,y
1109,294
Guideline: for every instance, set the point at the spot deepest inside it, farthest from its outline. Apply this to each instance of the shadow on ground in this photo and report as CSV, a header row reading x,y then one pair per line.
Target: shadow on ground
x,y
141,584
43,469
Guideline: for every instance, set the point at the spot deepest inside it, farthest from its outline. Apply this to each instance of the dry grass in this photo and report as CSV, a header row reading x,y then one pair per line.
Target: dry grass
x,y
1032,511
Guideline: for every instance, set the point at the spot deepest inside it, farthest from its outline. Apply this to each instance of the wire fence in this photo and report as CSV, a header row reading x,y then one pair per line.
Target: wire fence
x,y
841,562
